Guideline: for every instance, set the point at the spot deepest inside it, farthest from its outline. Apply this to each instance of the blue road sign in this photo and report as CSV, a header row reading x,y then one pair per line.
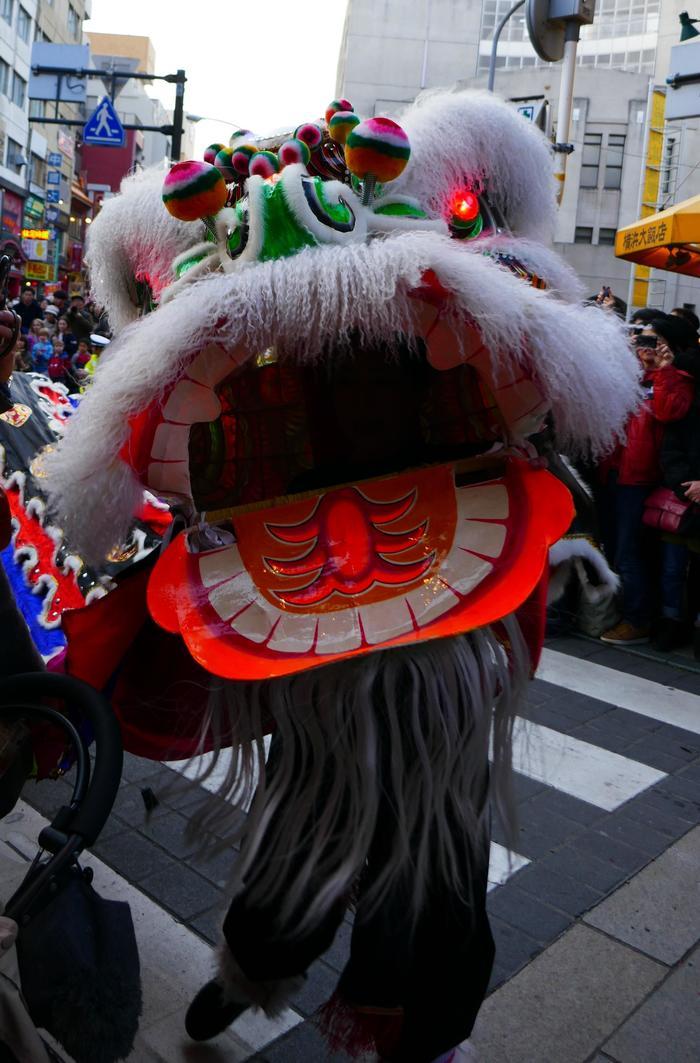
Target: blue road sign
x,y
103,128
54,159
53,177
52,195
51,214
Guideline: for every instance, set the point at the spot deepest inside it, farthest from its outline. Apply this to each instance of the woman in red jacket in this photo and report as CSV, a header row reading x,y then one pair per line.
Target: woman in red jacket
x,y
634,469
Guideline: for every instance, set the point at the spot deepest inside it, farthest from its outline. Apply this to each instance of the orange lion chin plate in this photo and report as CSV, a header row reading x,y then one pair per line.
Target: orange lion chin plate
x,y
344,571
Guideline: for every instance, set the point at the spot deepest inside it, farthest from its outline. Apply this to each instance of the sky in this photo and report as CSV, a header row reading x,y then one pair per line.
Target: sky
x,y
260,65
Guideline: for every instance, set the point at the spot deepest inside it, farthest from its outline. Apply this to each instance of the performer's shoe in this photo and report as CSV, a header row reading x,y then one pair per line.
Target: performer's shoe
x,y
209,1014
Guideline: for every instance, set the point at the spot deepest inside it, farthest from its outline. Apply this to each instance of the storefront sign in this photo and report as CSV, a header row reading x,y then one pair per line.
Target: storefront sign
x,y
54,159
36,234
66,144
36,250
52,195
33,207
52,214
12,208
53,177
39,271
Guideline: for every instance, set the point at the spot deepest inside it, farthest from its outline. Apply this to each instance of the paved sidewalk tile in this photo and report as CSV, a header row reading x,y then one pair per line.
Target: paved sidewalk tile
x,y
566,1002
657,912
667,1026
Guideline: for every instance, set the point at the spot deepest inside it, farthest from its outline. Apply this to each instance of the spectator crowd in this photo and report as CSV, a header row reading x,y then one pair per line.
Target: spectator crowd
x,y
647,491
60,336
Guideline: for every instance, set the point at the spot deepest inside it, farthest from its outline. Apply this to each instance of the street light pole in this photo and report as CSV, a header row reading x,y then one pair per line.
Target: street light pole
x,y
496,37
566,99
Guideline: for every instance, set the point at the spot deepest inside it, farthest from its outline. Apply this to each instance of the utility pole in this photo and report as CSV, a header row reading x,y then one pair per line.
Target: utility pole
x,y
174,130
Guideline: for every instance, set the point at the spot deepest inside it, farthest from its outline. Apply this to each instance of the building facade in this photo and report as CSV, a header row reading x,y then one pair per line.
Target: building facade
x,y
28,151
391,52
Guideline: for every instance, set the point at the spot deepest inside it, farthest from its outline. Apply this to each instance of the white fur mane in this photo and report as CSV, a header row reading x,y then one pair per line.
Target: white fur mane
x,y
303,305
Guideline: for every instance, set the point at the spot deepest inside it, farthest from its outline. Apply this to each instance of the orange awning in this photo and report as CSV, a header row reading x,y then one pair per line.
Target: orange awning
x,y
668,240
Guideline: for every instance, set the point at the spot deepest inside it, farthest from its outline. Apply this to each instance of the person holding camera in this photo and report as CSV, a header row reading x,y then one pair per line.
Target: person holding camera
x,y
633,470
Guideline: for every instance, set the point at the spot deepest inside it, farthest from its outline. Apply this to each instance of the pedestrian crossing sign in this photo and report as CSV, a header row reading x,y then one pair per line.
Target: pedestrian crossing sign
x,y
103,127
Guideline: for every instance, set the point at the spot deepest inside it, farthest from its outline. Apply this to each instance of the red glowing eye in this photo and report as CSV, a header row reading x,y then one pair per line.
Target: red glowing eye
x,y
465,205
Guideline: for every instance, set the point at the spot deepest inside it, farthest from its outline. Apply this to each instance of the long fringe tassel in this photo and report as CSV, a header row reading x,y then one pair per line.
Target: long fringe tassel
x,y
359,1032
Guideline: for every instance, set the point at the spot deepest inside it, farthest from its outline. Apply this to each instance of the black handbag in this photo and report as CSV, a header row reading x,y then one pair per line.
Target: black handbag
x,y
80,973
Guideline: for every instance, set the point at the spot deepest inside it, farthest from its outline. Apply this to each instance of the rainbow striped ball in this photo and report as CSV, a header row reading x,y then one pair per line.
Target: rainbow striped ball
x,y
264,164
242,154
224,164
336,105
193,190
378,148
310,133
294,151
239,134
211,152
341,124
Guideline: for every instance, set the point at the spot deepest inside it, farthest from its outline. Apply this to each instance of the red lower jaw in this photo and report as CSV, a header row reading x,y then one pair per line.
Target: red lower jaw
x,y
483,551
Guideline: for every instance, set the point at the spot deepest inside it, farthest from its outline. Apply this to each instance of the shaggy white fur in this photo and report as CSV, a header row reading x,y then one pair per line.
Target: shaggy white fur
x,y
566,558
133,234
475,137
304,305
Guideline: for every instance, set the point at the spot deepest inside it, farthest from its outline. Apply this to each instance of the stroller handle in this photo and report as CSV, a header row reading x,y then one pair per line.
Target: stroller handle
x,y
90,818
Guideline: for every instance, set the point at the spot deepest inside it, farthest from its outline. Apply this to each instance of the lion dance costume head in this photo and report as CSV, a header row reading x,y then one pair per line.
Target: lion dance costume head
x,y
357,336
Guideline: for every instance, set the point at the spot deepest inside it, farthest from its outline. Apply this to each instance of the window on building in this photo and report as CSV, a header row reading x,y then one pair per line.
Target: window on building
x,y
607,236
669,165
73,21
12,154
19,89
37,171
613,160
6,9
24,24
590,159
37,108
583,235
4,77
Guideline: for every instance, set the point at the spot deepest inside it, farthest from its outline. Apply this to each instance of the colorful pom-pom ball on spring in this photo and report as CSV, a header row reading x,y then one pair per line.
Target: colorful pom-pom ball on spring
x,y
341,125
294,151
310,133
239,134
242,154
336,105
224,163
211,152
264,164
377,147
194,190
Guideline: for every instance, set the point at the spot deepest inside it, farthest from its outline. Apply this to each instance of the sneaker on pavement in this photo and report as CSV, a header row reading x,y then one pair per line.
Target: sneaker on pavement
x,y
626,634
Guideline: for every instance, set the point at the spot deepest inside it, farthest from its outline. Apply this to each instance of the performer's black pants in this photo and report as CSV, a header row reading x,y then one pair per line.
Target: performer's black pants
x,y
436,968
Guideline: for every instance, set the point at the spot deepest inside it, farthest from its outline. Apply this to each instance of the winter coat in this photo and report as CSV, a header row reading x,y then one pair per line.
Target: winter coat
x,y
680,462
28,313
42,352
670,394
80,322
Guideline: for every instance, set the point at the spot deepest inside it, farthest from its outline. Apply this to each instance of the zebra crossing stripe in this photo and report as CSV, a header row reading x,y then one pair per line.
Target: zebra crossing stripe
x,y
622,690
579,768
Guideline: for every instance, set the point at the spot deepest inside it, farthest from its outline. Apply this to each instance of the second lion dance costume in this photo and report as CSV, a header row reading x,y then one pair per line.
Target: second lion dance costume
x,y
358,336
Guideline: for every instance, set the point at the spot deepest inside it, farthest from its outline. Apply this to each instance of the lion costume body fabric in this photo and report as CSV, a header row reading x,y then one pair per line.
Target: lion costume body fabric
x,y
337,391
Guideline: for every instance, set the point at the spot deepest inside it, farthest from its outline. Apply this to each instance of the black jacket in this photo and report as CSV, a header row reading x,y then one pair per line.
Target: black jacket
x,y
81,323
28,313
680,461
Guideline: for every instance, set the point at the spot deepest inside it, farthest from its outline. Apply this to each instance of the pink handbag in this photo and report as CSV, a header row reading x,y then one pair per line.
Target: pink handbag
x,y
664,510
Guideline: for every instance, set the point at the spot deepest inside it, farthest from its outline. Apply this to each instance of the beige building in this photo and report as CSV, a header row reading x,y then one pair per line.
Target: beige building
x,y
392,51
